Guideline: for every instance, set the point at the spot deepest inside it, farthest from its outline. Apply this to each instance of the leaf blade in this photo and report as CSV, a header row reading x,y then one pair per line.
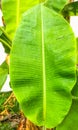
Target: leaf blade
x,y
3,73
56,5
71,120
15,9
39,60
70,9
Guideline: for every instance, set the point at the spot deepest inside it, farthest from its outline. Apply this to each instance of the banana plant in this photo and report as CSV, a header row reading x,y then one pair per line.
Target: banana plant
x,y
12,20
43,60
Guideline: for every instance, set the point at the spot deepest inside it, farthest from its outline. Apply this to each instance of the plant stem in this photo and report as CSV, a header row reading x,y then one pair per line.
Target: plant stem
x,y
6,39
43,128
5,43
5,34
12,95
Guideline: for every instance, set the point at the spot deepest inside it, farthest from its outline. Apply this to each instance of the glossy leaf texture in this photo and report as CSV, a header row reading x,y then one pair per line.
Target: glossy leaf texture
x,y
71,120
56,5
42,66
12,11
3,73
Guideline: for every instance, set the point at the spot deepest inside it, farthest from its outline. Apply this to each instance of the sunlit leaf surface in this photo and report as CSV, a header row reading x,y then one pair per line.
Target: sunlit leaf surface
x,y
56,5
42,67
12,12
71,120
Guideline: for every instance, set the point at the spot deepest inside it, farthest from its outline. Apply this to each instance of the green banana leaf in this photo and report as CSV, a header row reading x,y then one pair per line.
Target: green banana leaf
x,y
75,88
12,11
56,5
3,73
71,120
42,66
77,51
70,9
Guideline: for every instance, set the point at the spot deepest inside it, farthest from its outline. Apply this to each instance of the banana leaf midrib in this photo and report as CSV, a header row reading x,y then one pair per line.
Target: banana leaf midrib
x,y
43,65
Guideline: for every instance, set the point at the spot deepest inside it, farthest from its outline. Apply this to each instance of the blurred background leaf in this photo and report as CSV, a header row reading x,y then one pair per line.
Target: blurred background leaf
x,y
3,73
71,120
5,40
12,13
56,5
70,9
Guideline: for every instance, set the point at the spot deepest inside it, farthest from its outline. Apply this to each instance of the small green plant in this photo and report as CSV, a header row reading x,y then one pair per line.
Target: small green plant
x,y
43,60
